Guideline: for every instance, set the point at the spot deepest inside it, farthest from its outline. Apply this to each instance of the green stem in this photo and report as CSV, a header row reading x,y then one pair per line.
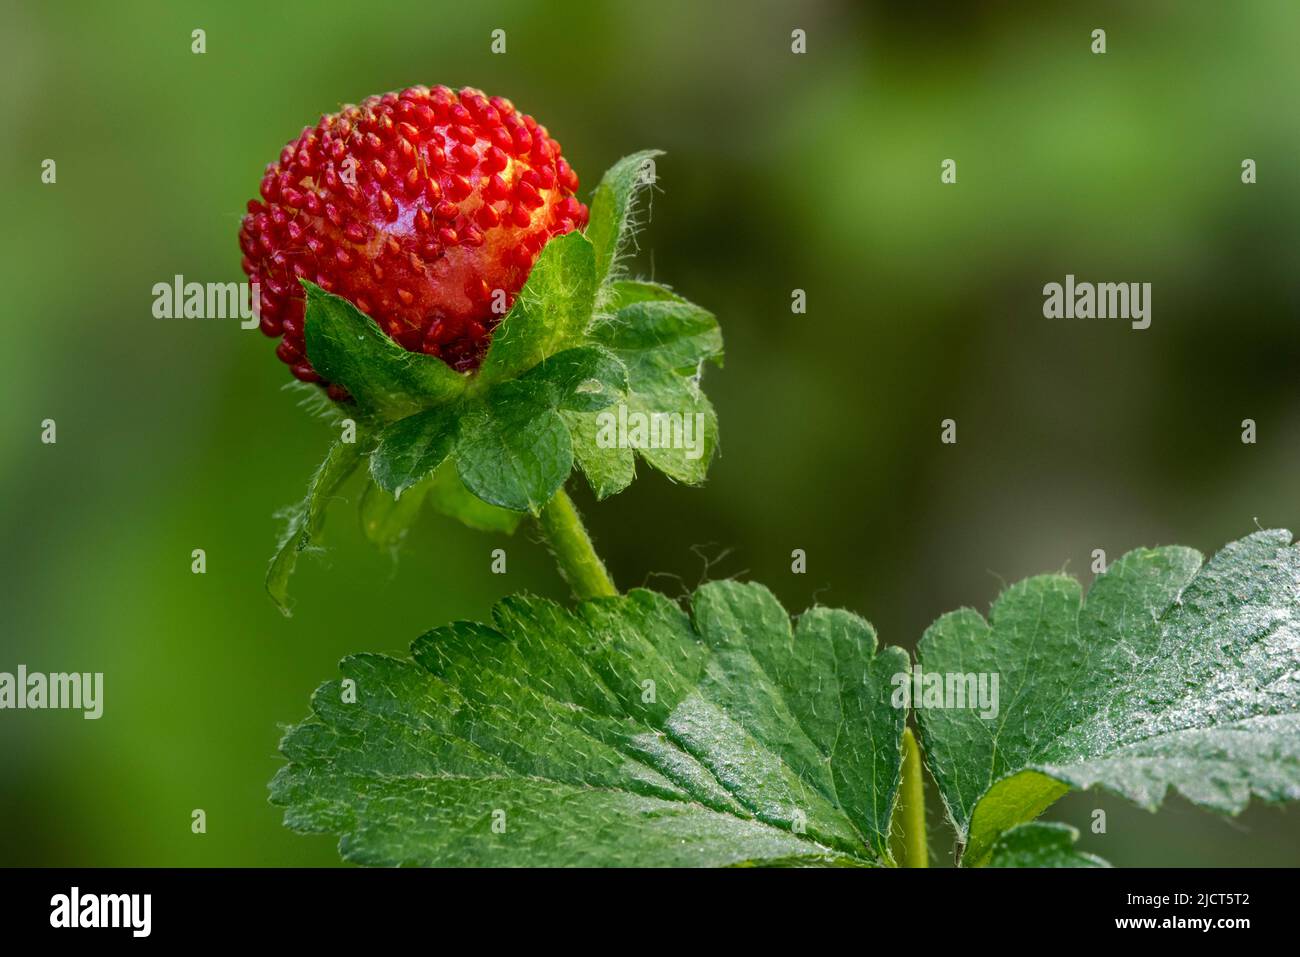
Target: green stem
x,y
571,546
912,805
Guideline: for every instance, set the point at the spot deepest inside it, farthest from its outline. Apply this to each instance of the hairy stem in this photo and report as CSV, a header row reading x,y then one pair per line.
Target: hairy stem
x,y
911,805
571,545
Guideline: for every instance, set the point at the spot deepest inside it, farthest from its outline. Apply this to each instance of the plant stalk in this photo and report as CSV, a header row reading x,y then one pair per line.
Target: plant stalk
x,y
911,808
569,542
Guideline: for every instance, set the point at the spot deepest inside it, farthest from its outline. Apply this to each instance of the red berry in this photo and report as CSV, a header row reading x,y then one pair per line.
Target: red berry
x,y
415,206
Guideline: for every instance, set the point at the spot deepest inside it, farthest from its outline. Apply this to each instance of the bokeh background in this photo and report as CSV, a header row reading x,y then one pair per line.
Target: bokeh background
x,y
818,172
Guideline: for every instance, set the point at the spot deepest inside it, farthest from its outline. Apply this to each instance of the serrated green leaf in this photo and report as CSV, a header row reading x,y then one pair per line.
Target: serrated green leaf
x,y
448,496
609,468
585,379
347,347
1173,674
612,209
409,450
621,732
551,312
514,449
682,427
385,520
657,336
627,292
1041,845
667,419
303,521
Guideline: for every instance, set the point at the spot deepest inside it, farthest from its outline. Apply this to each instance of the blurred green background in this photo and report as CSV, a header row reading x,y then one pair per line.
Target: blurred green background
x,y
818,172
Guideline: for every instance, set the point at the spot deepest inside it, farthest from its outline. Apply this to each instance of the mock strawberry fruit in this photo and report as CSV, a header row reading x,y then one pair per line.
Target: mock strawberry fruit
x,y
417,207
